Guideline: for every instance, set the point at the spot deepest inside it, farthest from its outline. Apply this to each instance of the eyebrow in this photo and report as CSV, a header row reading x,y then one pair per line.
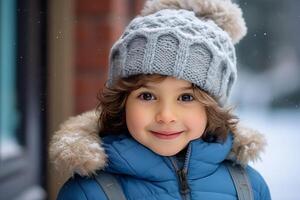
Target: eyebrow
x,y
181,88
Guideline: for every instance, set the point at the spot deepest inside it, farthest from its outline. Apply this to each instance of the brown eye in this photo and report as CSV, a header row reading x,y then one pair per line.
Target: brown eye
x,y
146,96
186,97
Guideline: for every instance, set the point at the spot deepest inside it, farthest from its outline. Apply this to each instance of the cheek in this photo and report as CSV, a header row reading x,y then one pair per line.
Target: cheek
x,y
196,121
136,118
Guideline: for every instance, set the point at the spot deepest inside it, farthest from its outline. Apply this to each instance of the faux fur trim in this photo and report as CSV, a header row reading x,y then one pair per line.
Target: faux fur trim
x,y
76,147
248,144
224,13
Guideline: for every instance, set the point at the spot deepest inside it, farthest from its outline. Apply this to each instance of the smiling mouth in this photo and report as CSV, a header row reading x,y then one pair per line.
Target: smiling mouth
x,y
166,135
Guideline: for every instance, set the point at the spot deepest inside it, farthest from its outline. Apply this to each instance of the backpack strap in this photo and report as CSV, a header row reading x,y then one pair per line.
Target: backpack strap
x,y
113,190
240,180
110,185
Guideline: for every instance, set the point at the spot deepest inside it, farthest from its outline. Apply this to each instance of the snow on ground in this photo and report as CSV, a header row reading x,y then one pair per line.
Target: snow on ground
x,y
281,160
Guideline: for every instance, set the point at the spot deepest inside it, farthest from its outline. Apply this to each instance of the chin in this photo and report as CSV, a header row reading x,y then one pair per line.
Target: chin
x,y
166,153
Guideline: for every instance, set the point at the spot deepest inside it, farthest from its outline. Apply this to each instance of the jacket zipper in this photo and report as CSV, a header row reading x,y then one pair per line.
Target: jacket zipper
x,y
184,187
182,175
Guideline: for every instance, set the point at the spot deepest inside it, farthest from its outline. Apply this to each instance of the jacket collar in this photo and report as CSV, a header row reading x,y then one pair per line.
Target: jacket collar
x,y
77,148
125,156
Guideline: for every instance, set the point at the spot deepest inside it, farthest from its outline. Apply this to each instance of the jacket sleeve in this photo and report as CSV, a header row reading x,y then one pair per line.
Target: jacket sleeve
x,y
80,188
265,193
260,188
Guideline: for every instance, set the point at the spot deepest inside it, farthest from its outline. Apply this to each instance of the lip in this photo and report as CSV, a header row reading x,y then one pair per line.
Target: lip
x,y
166,135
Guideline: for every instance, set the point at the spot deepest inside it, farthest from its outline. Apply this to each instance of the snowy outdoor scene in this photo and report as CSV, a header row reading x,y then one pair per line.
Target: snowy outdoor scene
x,y
267,93
280,161
269,102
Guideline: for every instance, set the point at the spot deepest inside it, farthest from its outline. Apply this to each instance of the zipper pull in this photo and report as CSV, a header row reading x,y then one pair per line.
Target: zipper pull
x,y
184,187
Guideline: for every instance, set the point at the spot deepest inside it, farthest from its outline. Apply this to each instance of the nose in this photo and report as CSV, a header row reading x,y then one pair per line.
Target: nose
x,y
165,114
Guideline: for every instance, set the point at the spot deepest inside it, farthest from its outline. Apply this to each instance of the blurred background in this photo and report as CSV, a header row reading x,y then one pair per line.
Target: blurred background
x,y
54,59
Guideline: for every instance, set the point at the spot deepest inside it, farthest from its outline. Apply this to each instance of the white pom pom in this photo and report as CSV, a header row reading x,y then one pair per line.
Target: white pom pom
x,y
226,14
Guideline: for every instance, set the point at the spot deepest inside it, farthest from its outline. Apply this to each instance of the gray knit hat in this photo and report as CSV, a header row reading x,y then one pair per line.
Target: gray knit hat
x,y
191,40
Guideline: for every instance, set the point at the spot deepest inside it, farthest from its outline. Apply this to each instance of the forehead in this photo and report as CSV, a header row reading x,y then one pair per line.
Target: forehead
x,y
169,82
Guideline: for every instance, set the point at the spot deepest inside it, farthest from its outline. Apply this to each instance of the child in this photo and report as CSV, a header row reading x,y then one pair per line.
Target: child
x,y
165,130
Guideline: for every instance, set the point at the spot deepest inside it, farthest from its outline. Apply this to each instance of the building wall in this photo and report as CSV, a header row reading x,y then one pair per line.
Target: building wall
x,y
81,33
98,25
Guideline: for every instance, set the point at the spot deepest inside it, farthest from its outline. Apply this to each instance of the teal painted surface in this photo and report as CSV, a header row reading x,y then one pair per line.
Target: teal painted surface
x,y
8,46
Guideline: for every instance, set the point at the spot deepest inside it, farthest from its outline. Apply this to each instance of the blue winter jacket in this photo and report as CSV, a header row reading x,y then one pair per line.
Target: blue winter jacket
x,y
145,175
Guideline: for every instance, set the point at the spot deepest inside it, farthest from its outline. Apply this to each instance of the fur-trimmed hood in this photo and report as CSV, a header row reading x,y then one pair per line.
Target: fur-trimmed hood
x,y
77,147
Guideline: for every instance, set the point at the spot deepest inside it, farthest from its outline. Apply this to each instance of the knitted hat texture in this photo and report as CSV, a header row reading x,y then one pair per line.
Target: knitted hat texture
x,y
178,39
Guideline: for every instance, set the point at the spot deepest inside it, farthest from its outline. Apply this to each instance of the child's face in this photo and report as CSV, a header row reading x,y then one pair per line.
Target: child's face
x,y
165,116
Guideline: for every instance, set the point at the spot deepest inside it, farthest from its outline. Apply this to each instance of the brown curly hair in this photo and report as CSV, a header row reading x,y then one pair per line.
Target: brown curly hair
x,y
112,102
